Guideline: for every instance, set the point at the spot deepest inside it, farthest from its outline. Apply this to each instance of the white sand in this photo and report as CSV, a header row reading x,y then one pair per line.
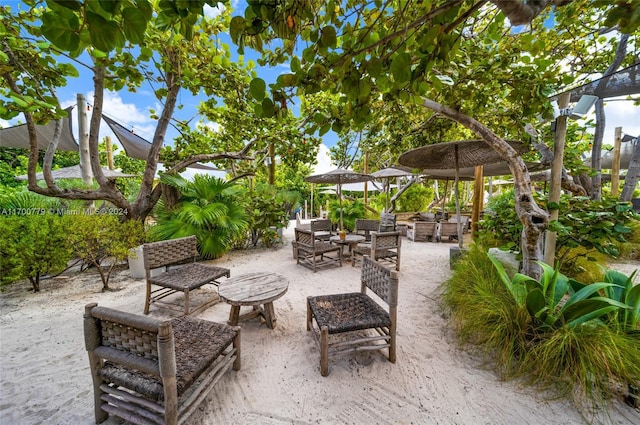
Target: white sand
x,y
45,377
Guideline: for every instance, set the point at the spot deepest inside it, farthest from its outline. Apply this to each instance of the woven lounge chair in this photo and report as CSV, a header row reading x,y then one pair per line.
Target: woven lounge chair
x,y
385,247
365,227
448,230
361,322
148,371
182,279
422,230
307,249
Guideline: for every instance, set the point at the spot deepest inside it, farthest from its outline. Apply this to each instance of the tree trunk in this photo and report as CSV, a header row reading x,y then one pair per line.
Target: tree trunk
x,y
633,173
534,219
596,150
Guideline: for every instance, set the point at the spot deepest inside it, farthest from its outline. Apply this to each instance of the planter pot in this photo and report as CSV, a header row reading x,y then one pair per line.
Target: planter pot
x,y
507,259
136,264
455,253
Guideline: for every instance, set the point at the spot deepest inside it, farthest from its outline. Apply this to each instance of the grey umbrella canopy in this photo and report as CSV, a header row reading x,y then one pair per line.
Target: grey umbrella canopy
x,y
339,176
389,173
456,155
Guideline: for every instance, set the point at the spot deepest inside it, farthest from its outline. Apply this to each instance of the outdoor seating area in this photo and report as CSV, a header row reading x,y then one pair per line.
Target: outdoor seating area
x,y
300,212
280,366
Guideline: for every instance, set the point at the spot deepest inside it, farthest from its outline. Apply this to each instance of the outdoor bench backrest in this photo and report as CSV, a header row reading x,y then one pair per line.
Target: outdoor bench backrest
x,y
172,251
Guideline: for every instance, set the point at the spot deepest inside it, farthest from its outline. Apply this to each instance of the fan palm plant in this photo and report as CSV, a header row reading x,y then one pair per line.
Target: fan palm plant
x,y
208,208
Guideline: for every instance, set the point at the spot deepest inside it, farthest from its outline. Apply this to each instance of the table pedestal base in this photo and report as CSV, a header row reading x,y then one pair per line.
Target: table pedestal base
x,y
266,313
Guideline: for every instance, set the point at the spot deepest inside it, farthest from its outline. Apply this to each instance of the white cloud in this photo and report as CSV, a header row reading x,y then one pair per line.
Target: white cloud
x,y
621,114
324,161
213,12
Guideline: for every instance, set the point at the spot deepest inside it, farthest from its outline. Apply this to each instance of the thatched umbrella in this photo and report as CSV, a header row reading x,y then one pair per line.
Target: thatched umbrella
x,y
460,154
387,174
339,176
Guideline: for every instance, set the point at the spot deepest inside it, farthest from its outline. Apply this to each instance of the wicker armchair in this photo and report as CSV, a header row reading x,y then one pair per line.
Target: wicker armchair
x,y
322,229
148,371
182,279
385,247
307,249
365,227
360,322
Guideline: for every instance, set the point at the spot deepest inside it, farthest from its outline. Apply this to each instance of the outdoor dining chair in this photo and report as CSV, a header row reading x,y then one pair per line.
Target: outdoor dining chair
x,y
177,277
351,322
313,253
365,227
385,247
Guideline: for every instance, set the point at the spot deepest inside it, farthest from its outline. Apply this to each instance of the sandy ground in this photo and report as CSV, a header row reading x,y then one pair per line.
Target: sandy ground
x,y
45,377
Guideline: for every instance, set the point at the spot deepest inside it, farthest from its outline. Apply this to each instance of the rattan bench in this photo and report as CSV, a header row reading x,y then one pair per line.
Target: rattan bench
x,y
180,279
148,371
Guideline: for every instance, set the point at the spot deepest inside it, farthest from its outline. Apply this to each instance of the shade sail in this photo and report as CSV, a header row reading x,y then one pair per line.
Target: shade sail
x,y
18,136
74,172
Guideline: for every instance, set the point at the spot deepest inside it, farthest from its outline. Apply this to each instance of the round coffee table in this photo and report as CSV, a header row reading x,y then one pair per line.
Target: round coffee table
x,y
255,290
350,240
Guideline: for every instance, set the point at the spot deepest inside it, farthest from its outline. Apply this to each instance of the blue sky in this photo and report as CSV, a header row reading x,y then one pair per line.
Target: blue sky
x,y
131,109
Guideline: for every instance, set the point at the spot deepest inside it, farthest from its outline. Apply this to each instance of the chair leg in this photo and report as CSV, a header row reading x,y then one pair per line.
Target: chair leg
x,y
309,316
324,351
392,344
147,300
186,302
237,363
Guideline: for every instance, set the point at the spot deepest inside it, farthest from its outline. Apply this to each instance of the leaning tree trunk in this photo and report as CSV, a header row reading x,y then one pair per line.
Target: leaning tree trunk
x,y
534,219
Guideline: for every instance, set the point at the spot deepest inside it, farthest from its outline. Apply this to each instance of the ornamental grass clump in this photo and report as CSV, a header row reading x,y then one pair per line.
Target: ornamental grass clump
x,y
557,333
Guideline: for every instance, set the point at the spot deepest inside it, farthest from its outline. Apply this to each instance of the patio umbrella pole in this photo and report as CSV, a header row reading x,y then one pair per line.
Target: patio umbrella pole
x,y
457,195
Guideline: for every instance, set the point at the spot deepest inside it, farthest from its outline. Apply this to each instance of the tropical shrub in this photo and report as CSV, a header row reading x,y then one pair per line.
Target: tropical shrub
x,y
415,198
593,225
351,210
209,208
500,224
267,207
103,241
555,332
32,245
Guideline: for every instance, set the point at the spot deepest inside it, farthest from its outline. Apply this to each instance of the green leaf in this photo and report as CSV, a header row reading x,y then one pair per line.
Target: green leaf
x,y
401,68
236,28
295,64
69,4
105,35
258,88
60,28
328,37
134,24
268,108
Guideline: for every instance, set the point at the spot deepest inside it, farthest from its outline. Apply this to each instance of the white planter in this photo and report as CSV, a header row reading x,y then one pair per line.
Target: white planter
x,y
136,264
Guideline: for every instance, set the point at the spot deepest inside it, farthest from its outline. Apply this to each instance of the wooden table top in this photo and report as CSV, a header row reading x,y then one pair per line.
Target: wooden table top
x,y
352,238
253,288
